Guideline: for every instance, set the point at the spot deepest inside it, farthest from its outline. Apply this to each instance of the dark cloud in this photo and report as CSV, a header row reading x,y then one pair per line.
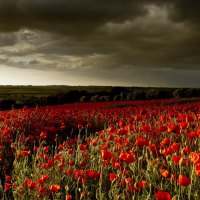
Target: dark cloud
x,y
86,15
66,16
128,35
185,10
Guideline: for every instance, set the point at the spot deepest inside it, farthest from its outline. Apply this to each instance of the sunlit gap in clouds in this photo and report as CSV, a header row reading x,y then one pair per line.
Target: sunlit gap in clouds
x,y
109,77
16,76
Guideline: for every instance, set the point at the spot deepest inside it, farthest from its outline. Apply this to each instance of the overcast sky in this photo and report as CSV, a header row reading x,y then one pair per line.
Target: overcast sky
x,y
100,42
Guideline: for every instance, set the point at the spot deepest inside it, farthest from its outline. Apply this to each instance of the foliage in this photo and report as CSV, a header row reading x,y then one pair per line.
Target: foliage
x,y
94,98
178,93
32,96
7,104
152,94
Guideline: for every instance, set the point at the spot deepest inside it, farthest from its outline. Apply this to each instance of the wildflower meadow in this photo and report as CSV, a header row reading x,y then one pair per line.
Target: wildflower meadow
x,y
137,150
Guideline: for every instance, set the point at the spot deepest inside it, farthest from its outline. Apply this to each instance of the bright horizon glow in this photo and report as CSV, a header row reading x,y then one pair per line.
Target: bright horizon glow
x,y
15,76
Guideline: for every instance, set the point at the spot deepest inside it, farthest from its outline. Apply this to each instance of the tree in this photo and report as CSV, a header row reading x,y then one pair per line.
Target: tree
x,y
104,98
138,94
179,93
117,98
117,91
191,92
94,98
7,104
84,99
152,94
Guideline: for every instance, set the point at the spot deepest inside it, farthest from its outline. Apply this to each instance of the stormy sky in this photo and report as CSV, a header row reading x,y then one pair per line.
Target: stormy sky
x,y
100,42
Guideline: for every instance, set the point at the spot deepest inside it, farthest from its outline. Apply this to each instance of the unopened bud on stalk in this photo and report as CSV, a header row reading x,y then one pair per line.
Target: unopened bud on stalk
x,y
67,188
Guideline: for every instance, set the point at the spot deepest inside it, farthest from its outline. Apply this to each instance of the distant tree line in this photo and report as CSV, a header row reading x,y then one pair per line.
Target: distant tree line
x,y
116,94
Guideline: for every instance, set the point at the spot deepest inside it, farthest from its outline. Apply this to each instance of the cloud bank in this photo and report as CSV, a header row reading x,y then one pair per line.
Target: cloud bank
x,y
65,35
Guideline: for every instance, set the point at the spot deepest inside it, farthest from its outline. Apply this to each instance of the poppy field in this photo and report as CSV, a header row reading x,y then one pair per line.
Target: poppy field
x,y
136,150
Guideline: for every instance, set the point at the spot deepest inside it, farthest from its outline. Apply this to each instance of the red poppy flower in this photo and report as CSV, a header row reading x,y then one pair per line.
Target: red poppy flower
x,y
62,126
112,160
80,126
141,184
7,186
141,141
122,131
117,165
80,175
167,151
163,196
126,157
165,141
175,147
192,135
162,129
71,162
25,153
42,191
176,159
164,173
93,174
89,125
113,177
61,164
195,157
69,171
46,149
131,188
83,163
8,178
103,147
68,197
94,143
43,179
35,149
183,125
83,147
1,157
43,135
57,156
61,147
183,180
154,148
111,137
186,150
44,157
128,181
129,158
50,162
2,148
70,151
197,169
44,166
174,128
54,188
106,155
30,184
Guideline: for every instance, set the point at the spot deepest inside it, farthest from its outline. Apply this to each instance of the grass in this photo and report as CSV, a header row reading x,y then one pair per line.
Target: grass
x,y
41,91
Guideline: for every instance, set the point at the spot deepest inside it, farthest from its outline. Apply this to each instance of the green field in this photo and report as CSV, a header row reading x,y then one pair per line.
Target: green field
x,y
43,91
18,92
